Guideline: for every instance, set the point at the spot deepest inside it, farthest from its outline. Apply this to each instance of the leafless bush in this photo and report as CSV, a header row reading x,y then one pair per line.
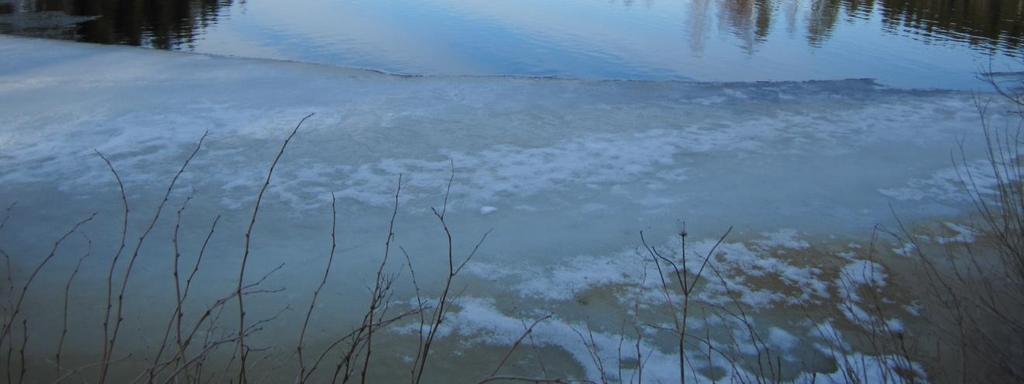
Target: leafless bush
x,y
686,280
189,340
975,292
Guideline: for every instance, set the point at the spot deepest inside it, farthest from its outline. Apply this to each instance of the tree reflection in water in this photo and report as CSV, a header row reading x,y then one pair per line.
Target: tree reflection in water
x,y
175,24
165,24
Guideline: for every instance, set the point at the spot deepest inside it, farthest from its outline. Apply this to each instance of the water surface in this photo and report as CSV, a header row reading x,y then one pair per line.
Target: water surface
x,y
917,43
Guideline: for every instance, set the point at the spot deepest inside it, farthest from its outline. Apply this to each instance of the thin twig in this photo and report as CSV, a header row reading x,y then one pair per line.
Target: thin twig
x,y
316,292
242,351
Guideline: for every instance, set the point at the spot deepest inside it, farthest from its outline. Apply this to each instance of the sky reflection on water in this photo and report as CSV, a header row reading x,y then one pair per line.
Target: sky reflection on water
x,y
912,43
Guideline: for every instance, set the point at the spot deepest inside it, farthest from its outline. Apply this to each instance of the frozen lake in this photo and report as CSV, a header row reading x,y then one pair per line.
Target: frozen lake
x,y
566,128
565,172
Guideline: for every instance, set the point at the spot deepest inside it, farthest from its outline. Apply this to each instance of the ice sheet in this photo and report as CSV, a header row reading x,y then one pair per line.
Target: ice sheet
x,y
565,172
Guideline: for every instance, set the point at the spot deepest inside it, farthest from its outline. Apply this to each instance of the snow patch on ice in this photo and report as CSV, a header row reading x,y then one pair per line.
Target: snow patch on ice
x,y
857,275
856,278
509,170
478,321
567,279
947,184
738,263
963,234
858,366
783,238
906,250
782,339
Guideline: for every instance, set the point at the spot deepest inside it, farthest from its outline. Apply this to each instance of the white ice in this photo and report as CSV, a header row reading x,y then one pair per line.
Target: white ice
x,y
565,172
